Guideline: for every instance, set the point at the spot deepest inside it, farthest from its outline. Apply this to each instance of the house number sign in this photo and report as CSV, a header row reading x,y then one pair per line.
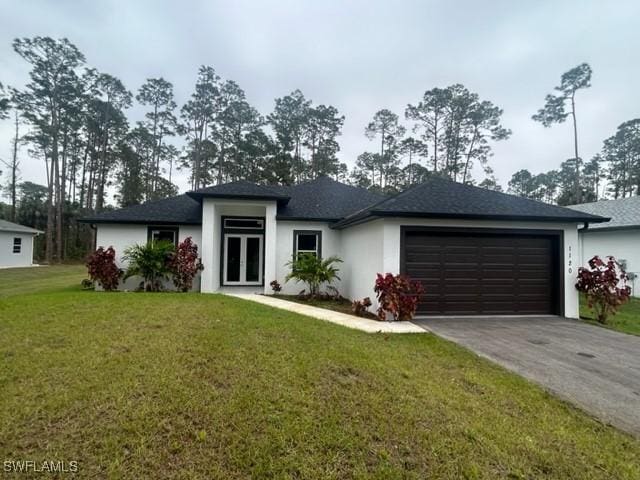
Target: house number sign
x,y
570,260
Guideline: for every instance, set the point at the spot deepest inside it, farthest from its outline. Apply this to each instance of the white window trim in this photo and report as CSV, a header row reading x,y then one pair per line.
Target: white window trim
x,y
259,221
19,245
296,238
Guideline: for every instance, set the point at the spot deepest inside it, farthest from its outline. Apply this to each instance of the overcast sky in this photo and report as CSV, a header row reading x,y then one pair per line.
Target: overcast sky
x,y
359,56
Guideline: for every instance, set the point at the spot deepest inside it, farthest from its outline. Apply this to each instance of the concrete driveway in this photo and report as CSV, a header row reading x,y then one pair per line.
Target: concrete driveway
x,y
592,367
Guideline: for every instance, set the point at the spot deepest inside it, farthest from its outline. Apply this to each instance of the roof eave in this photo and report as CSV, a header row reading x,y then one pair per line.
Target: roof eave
x,y
467,216
137,222
284,218
32,232
610,229
199,196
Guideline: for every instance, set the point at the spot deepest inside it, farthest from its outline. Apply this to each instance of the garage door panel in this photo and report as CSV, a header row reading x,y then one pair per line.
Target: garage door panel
x,y
477,273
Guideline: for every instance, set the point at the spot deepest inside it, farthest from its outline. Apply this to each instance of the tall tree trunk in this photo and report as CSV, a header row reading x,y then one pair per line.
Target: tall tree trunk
x,y
435,144
14,168
51,212
578,189
468,159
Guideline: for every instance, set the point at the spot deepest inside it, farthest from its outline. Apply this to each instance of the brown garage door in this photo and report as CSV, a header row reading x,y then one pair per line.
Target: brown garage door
x,y
479,273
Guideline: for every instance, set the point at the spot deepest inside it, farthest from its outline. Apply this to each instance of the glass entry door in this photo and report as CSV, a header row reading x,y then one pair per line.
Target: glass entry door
x,y
242,259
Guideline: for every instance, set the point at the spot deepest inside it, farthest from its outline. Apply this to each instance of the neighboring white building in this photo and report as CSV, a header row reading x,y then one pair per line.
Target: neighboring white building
x,y
16,244
619,237
475,251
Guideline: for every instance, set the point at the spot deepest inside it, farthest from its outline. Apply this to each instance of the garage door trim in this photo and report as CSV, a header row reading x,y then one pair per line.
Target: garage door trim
x,y
557,237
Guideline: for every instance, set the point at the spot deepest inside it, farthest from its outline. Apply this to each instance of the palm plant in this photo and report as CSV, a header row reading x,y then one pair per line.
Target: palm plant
x,y
313,271
151,262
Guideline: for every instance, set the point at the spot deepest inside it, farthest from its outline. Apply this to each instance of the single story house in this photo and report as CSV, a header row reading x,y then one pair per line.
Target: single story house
x,y
477,252
16,244
619,237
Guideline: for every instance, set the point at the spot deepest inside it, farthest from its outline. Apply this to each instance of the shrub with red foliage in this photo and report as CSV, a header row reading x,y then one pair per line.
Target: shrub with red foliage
x,y
185,265
604,284
102,268
398,295
275,286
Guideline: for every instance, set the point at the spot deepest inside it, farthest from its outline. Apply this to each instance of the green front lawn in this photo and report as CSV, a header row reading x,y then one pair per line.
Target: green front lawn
x,y
627,319
138,385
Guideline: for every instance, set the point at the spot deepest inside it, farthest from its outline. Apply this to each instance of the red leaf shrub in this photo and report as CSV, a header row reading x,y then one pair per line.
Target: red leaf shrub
x,y
604,284
397,294
275,286
102,268
185,265
360,307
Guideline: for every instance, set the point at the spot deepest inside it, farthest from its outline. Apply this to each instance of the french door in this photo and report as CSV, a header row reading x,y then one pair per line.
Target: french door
x,y
242,259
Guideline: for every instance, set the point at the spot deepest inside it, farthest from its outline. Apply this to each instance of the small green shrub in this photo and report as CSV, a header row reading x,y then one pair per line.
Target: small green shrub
x,y
313,271
151,262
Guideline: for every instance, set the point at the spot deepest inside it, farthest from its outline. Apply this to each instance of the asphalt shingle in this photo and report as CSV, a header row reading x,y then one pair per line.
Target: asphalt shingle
x,y
6,226
325,199
442,198
624,212
175,210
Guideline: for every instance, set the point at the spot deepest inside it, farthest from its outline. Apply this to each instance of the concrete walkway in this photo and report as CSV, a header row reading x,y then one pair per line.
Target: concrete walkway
x,y
593,367
351,321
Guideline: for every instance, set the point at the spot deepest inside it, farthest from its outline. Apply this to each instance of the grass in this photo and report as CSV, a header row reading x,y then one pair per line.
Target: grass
x,y
341,305
16,281
133,385
627,320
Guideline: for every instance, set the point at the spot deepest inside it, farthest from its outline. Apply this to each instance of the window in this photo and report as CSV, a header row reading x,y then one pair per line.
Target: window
x,y
244,223
307,241
17,245
166,234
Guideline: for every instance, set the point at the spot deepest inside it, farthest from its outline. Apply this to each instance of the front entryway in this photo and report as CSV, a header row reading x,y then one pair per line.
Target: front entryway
x,y
243,254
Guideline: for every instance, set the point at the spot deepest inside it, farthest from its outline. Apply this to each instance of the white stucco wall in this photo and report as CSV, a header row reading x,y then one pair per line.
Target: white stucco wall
x,y
622,244
212,212
367,249
122,236
10,259
331,245
384,235
363,248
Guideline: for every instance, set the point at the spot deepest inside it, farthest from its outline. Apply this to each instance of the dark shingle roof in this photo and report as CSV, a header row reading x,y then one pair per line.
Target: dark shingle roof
x,y
6,226
175,210
321,199
441,198
624,212
325,199
240,189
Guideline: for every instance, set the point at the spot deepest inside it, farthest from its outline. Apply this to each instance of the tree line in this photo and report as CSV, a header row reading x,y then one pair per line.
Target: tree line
x,y
75,120
613,172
